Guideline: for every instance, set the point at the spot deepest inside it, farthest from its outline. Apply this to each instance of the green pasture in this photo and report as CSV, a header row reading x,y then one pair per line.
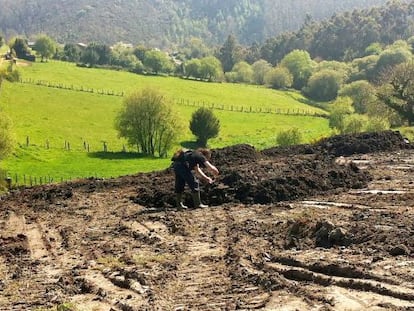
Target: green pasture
x,y
188,91
61,133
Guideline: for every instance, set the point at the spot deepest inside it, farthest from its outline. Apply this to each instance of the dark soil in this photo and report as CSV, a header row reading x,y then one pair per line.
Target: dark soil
x,y
327,226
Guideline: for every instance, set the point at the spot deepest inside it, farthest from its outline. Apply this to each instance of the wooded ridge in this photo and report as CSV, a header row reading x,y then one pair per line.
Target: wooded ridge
x,y
165,23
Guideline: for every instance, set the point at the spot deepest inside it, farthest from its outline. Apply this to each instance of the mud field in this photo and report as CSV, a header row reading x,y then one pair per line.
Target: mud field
x,y
328,226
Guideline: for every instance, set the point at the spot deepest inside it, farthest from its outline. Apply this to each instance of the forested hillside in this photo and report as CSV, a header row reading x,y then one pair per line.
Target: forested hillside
x,y
165,23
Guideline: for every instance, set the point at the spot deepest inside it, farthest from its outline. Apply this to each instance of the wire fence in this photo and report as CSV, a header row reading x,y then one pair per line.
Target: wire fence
x,y
103,146
13,180
72,87
251,109
185,102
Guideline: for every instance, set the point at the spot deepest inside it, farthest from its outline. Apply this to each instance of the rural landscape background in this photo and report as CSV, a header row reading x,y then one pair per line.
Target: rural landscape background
x,y
308,109
63,106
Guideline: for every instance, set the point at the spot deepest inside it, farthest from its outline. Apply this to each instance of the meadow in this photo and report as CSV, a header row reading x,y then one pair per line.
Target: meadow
x,y
63,133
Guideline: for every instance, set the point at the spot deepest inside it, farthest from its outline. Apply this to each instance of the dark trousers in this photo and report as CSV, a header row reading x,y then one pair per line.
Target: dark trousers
x,y
183,175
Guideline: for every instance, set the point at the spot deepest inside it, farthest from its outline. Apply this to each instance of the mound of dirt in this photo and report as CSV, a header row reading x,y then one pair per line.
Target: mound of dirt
x,y
346,145
277,174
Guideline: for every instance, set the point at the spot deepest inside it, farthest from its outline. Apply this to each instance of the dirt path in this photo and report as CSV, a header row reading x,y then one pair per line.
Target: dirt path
x,y
91,245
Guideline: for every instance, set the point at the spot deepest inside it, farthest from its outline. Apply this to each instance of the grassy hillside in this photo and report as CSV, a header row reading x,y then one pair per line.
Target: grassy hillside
x,y
61,132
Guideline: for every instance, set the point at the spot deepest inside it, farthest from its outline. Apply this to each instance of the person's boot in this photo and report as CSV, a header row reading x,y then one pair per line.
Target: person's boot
x,y
197,200
179,201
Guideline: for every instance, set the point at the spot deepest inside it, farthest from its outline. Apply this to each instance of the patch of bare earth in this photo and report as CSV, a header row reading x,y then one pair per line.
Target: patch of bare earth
x,y
298,228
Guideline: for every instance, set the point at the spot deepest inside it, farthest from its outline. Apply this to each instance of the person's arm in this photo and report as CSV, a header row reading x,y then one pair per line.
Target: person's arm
x,y
211,168
200,173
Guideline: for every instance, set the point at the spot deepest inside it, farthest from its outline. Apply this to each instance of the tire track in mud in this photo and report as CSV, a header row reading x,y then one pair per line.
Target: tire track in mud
x,y
352,288
202,278
206,274
26,253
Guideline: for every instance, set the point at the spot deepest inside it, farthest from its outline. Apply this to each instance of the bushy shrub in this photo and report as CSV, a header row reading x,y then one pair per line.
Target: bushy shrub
x,y
377,125
204,125
289,137
354,123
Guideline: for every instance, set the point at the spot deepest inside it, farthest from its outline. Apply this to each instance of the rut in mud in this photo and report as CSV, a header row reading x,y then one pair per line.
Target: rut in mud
x,y
293,228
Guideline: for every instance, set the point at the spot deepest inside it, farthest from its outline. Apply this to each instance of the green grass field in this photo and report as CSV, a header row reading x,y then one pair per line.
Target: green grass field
x,y
60,133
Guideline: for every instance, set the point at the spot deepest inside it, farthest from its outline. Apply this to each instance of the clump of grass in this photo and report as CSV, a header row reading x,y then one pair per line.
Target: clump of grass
x,y
289,137
110,262
149,260
66,306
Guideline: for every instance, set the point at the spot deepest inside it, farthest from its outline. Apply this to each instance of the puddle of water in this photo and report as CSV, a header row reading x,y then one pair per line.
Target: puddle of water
x,y
378,191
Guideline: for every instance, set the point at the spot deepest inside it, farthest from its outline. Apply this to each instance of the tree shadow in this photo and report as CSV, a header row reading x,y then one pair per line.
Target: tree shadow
x,y
116,155
309,102
190,144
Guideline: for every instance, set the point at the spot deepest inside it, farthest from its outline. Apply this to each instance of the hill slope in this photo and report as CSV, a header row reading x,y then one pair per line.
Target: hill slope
x,y
164,23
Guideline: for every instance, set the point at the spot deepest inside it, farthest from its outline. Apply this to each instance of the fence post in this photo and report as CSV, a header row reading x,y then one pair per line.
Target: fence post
x,y
9,182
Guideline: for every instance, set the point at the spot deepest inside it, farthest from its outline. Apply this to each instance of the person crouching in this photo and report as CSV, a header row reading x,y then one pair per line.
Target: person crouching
x,y
188,165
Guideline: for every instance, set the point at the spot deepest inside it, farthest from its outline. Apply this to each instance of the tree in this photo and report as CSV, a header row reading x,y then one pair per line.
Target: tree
x,y
96,54
20,47
89,57
45,47
124,57
228,54
157,61
374,48
72,52
204,125
339,110
362,94
390,58
324,85
242,72
210,69
364,68
260,69
140,51
195,48
397,91
192,68
148,122
343,68
300,66
279,78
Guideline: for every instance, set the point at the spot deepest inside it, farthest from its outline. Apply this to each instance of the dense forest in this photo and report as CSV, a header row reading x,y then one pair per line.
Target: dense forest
x,y
346,36
166,23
